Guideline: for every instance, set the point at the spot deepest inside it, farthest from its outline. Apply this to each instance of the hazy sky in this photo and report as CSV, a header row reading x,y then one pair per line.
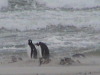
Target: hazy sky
x,y
3,3
72,3
60,3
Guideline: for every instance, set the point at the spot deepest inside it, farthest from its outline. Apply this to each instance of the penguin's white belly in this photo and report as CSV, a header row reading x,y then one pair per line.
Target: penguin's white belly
x,y
39,54
28,51
39,51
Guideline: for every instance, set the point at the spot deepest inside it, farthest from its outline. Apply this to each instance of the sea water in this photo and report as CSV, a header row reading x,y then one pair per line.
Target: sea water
x,y
64,31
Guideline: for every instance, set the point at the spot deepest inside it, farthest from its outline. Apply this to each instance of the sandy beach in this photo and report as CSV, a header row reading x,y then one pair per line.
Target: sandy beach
x,y
66,27
87,66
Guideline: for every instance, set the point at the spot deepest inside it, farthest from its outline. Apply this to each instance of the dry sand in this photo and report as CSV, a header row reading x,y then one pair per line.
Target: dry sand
x,y
87,66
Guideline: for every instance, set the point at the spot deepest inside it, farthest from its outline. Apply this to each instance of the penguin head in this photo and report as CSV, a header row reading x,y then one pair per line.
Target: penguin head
x,y
29,41
37,44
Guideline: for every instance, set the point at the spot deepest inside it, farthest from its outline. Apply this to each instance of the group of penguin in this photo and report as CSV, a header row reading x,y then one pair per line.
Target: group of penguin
x,y
43,52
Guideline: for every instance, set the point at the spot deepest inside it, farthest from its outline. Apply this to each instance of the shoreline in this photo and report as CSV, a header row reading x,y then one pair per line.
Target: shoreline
x,y
88,66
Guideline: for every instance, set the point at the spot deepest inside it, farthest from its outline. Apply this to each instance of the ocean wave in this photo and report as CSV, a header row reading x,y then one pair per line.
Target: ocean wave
x,y
53,4
12,47
25,20
51,28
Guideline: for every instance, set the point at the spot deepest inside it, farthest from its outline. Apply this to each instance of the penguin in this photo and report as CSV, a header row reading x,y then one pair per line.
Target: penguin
x,y
33,53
